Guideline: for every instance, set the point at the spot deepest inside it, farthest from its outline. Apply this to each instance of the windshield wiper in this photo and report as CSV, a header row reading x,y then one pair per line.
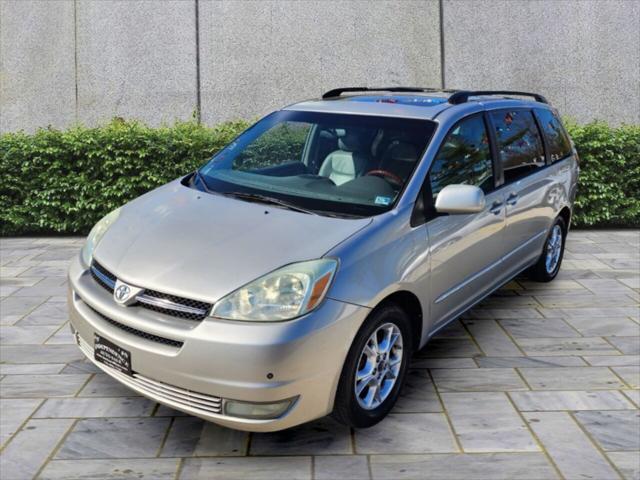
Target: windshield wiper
x,y
257,197
200,177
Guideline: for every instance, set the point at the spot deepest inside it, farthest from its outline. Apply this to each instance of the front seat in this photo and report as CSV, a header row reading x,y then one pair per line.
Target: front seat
x,y
348,163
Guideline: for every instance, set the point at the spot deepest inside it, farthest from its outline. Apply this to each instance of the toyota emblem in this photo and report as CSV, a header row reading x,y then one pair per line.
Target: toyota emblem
x,y
121,294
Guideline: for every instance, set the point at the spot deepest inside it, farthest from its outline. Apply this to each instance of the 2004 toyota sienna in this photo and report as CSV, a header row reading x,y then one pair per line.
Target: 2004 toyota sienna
x,y
294,274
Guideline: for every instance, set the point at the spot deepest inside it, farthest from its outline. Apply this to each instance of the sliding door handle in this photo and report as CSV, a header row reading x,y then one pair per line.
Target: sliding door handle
x,y
512,199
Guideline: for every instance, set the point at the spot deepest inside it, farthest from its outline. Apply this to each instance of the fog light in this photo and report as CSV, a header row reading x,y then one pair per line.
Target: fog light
x,y
258,411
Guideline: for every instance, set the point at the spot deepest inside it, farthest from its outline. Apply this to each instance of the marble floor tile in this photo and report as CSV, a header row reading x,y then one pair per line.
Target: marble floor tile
x,y
114,438
492,340
31,447
31,368
611,327
138,468
418,394
320,437
628,463
194,437
532,362
40,386
244,468
407,433
566,346
626,345
538,328
484,466
95,407
612,430
613,360
341,467
571,378
479,380
13,413
568,446
570,400
17,335
48,313
630,374
487,422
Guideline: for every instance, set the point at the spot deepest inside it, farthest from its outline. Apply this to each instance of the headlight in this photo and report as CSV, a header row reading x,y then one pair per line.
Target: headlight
x,y
96,234
280,295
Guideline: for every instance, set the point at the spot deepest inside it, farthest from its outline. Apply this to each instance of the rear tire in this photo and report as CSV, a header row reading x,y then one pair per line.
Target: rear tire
x,y
550,260
371,368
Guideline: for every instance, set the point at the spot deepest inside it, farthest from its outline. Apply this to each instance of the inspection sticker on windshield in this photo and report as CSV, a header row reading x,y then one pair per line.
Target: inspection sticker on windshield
x,y
380,200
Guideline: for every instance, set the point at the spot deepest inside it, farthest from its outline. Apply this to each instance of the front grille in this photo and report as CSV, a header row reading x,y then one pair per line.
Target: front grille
x,y
172,305
152,300
104,277
139,333
193,402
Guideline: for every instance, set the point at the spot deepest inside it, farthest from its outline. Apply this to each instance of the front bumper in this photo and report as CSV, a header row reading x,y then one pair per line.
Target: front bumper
x,y
220,360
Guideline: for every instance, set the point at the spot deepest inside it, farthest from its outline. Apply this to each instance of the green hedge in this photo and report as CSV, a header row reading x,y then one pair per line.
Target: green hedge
x,y
64,181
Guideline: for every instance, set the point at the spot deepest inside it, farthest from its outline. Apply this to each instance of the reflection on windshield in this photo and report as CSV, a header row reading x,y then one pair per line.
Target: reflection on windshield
x,y
323,162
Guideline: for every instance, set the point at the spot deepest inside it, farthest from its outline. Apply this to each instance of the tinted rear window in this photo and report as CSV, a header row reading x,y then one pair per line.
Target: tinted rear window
x,y
519,143
557,138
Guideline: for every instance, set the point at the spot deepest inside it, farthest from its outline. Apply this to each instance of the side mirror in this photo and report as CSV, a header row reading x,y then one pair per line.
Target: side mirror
x,y
460,199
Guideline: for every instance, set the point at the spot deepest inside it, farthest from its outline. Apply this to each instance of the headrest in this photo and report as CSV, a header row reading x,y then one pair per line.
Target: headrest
x,y
351,140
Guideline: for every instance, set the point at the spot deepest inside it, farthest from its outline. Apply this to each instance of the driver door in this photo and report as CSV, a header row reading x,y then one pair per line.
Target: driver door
x,y
465,249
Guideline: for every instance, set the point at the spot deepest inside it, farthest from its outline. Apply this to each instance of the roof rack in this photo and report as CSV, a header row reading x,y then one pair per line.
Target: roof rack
x,y
336,92
462,96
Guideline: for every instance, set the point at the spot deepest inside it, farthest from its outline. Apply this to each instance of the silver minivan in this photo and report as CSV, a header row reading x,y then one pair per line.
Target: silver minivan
x,y
295,273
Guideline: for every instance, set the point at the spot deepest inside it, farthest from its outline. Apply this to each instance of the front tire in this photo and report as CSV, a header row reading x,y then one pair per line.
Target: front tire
x,y
375,368
548,264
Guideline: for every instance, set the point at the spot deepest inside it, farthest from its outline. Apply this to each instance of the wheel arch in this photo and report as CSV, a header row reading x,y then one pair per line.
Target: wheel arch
x,y
410,303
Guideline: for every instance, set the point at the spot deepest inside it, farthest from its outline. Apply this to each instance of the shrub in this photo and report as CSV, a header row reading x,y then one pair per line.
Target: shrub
x,y
64,181
609,184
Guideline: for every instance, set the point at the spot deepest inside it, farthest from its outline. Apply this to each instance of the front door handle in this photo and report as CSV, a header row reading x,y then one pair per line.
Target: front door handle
x,y
496,207
512,199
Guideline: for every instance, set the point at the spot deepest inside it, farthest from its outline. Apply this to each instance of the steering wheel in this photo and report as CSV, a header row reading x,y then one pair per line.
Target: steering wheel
x,y
387,175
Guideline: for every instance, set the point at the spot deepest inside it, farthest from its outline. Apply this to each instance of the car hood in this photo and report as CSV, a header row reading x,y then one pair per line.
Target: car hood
x,y
184,242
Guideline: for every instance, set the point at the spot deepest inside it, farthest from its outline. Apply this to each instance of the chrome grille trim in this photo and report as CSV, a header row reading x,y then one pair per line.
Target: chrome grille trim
x,y
182,397
99,274
169,305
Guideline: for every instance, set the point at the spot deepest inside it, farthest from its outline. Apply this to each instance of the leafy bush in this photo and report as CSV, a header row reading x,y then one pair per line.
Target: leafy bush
x,y
609,184
64,181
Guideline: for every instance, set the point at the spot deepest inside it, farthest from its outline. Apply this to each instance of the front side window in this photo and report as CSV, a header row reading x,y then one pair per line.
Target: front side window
x,y
519,143
328,163
557,138
464,158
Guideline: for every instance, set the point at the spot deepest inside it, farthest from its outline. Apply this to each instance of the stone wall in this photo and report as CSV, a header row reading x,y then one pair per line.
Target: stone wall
x,y
66,61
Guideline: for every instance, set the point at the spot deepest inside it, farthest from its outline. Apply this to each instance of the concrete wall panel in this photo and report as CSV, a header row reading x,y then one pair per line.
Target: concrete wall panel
x,y
257,56
37,74
583,55
136,60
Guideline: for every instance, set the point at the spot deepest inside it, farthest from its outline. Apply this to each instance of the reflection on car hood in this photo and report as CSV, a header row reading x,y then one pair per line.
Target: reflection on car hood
x,y
202,246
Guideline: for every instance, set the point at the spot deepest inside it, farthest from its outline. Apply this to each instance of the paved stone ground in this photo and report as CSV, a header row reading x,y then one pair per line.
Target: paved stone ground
x,y
540,381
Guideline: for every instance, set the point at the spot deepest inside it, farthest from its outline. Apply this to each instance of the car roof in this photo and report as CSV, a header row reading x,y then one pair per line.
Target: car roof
x,y
417,105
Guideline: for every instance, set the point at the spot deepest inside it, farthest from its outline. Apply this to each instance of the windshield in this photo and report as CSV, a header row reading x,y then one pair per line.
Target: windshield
x,y
324,163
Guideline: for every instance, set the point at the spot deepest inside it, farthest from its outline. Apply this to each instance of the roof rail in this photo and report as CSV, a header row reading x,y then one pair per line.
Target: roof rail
x,y
336,92
462,96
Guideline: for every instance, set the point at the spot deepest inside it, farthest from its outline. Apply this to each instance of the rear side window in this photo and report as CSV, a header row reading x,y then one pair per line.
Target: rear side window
x,y
464,157
519,143
557,138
